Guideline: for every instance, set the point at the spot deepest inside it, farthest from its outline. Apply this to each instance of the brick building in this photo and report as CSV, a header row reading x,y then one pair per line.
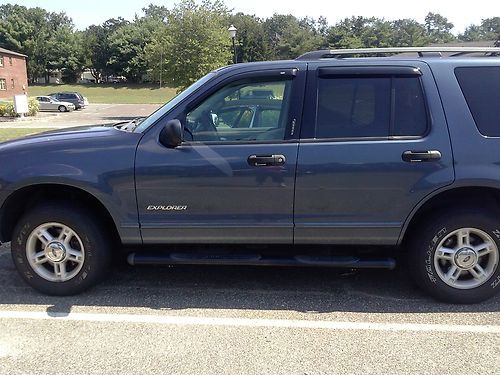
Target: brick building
x,y
13,74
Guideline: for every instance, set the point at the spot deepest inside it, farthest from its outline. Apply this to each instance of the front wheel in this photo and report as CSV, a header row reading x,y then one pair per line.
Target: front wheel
x,y
62,108
60,250
455,257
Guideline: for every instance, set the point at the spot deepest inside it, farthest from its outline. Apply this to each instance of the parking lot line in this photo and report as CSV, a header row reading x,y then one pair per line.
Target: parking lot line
x,y
250,322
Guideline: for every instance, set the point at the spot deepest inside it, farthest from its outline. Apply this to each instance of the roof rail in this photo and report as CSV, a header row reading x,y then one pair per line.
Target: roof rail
x,y
339,53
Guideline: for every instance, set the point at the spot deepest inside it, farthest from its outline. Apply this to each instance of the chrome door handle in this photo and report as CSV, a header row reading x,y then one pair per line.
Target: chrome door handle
x,y
266,160
420,156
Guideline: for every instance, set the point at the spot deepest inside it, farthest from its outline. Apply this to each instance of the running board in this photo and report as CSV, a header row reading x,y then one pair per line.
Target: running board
x,y
261,260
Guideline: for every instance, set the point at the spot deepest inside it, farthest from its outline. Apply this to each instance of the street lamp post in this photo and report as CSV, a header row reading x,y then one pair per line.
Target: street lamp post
x,y
161,54
161,65
232,32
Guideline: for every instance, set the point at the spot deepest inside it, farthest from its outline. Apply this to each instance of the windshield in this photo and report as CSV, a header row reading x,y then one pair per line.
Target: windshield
x,y
155,116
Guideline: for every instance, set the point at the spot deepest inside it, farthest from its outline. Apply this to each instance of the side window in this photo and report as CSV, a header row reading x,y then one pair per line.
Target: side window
x,y
353,107
410,114
241,111
370,107
481,88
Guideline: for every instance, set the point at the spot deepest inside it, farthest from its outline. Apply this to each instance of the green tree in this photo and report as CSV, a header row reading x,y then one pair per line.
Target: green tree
x,y
15,28
157,12
194,42
24,30
250,38
348,33
48,39
408,33
362,32
438,28
96,46
489,29
64,47
289,37
128,43
377,33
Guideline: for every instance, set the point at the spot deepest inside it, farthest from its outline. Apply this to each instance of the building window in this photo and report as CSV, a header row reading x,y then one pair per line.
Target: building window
x,y
12,83
10,61
3,84
1,60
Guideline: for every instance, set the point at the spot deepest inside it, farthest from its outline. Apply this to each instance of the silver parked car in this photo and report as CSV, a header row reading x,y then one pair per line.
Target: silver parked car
x,y
48,103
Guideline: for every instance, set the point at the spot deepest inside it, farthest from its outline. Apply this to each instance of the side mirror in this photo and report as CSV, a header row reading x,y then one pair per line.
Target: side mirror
x,y
171,134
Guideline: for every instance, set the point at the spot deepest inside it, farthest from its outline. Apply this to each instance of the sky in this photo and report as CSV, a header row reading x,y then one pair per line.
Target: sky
x,y
88,12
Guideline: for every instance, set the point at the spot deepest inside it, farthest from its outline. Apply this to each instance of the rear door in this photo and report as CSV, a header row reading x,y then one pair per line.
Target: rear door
x,y
372,146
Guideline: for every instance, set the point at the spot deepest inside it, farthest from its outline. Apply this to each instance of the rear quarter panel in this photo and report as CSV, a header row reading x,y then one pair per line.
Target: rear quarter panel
x,y
476,157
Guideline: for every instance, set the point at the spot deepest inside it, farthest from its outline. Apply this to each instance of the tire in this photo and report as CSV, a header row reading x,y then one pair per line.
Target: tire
x,y
449,251
62,108
83,248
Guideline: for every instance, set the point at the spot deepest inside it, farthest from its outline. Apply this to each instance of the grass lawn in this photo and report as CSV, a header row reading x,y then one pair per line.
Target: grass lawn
x,y
6,134
111,93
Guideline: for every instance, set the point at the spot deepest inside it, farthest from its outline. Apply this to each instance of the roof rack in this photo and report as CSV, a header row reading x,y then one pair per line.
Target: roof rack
x,y
421,51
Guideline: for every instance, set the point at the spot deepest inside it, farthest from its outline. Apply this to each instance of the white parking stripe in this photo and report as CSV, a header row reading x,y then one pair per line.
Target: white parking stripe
x,y
249,322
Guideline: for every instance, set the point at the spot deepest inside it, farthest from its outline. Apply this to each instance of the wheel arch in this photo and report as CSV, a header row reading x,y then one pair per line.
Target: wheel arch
x,y
17,203
480,196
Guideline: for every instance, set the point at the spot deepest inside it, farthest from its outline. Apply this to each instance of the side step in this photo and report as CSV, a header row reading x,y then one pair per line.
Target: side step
x,y
261,260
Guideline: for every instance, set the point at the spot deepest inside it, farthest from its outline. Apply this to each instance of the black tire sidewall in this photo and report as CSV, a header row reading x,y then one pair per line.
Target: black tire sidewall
x,y
424,245
96,247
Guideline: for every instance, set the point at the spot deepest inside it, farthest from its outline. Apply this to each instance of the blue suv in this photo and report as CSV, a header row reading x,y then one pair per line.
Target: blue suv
x,y
336,159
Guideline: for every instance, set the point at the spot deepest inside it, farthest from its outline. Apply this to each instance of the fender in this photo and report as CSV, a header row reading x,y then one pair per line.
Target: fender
x,y
477,183
100,163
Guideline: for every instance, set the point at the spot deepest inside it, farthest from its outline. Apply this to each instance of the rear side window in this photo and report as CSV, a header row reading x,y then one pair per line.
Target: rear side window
x,y
481,89
364,107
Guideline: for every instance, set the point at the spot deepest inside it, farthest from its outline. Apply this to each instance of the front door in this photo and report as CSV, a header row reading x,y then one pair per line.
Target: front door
x,y
232,179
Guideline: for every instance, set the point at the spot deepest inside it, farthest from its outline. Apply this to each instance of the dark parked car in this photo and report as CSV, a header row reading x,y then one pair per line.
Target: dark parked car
x,y
330,160
72,97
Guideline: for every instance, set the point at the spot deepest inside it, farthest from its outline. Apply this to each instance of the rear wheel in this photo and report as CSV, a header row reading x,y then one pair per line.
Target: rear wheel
x,y
60,250
62,108
455,257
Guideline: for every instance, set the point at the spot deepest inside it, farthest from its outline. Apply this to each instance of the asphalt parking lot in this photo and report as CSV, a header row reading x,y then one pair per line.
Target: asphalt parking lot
x,y
235,320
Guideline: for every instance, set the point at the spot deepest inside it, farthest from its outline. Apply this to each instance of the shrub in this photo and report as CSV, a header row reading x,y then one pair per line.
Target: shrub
x,y
7,108
33,107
